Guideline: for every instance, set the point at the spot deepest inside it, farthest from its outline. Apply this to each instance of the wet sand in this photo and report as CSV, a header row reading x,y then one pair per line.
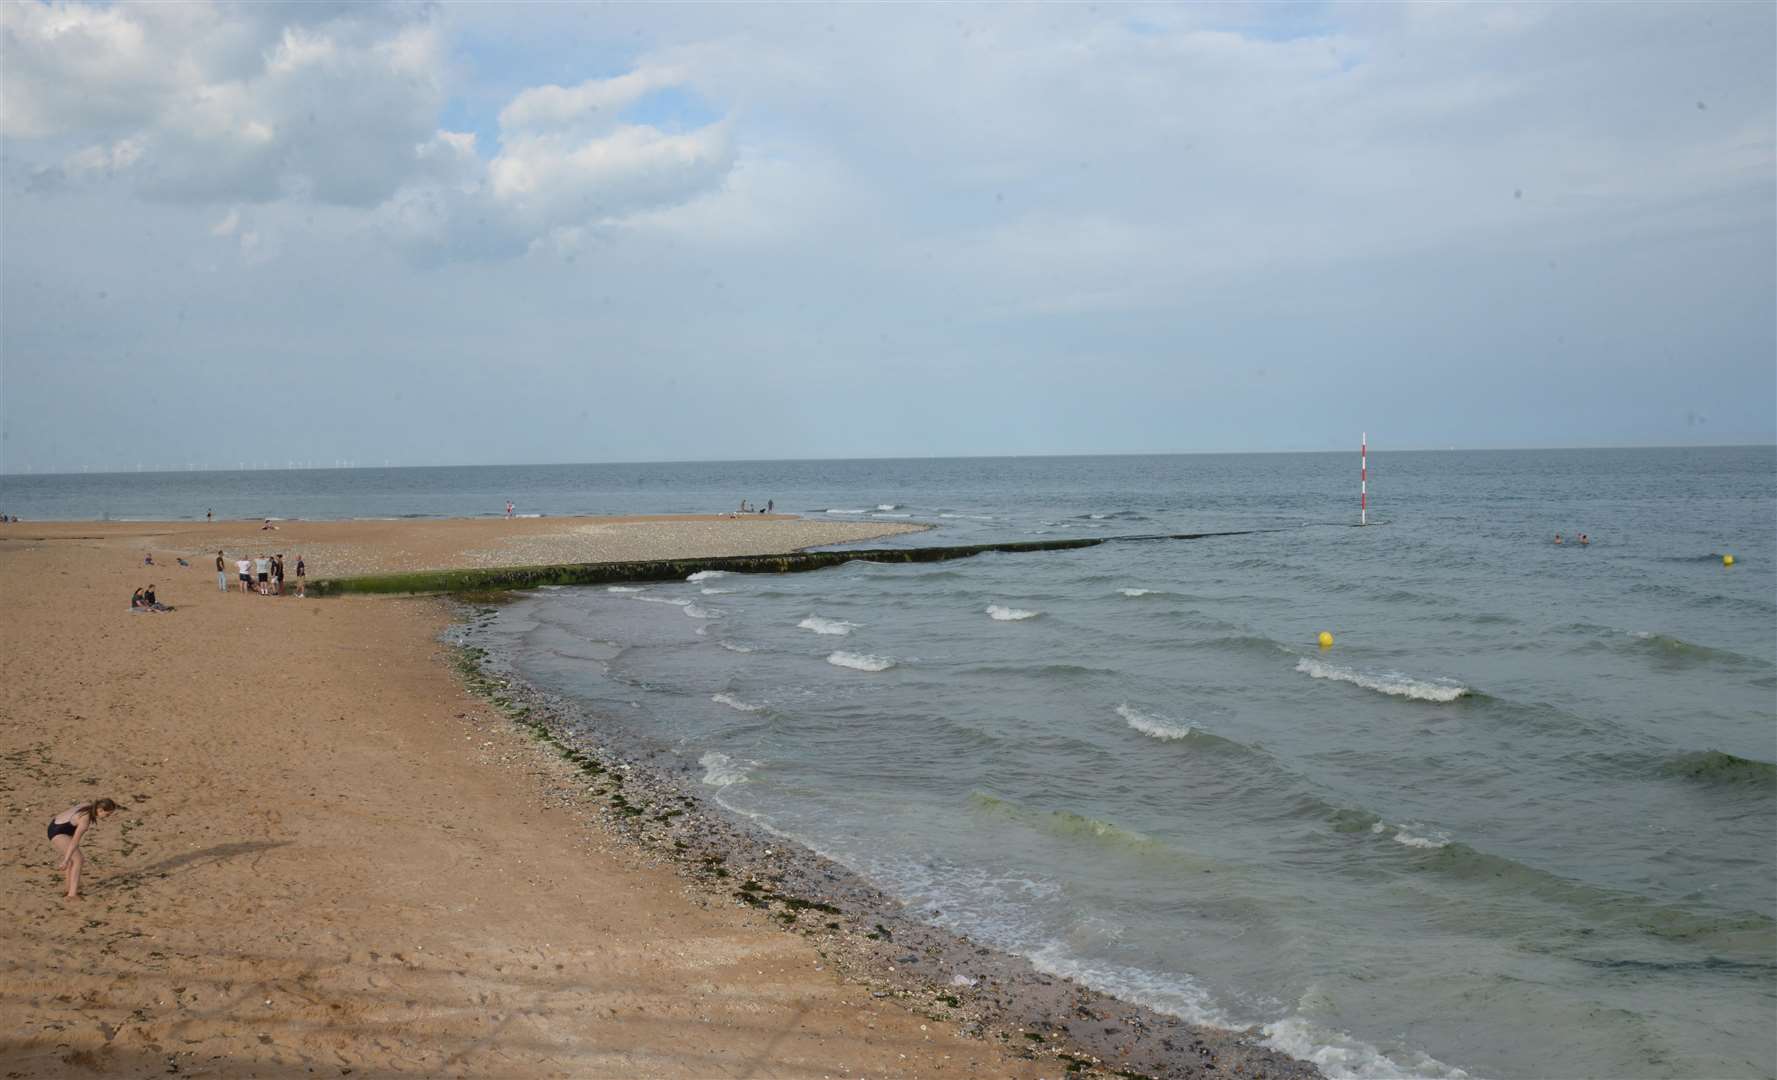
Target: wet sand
x,y
341,858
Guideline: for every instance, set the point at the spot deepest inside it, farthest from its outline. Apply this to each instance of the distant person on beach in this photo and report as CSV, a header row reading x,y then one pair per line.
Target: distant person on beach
x,y
262,568
508,507
268,526
244,567
149,602
301,572
207,515
148,559
65,832
221,574
770,505
136,601
277,575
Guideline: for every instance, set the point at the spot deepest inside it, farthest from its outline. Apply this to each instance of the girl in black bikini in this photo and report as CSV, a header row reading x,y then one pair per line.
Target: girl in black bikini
x,y
65,831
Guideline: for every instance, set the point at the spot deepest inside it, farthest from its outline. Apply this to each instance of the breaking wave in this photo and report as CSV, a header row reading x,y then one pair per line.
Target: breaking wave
x,y
1385,682
860,661
705,575
1159,727
720,770
1719,767
1009,614
621,588
1135,592
735,703
837,627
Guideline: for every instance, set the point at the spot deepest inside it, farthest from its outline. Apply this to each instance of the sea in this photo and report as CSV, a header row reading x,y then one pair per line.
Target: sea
x,y
1519,820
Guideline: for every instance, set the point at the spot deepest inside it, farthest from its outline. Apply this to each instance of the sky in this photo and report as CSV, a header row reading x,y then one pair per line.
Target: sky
x,y
484,234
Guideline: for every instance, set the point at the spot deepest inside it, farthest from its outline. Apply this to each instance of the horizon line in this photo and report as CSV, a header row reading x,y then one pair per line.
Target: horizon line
x,y
290,467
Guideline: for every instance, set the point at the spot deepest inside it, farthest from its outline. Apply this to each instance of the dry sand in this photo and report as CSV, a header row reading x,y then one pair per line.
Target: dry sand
x,y
337,861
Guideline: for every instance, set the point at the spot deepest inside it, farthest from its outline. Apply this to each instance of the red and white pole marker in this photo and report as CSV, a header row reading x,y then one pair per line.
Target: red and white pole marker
x,y
1363,480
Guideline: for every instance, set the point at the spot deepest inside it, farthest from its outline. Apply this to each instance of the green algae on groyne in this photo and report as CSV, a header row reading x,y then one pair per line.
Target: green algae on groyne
x,y
494,579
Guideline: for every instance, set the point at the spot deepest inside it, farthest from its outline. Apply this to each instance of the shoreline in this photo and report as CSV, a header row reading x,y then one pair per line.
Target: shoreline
x,y
872,936
340,859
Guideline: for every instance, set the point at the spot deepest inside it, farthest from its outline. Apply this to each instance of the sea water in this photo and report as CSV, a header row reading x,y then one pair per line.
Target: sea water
x,y
1520,820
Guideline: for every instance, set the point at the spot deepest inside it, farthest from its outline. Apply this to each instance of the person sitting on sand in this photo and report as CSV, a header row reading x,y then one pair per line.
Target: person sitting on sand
x,y
65,832
149,602
148,559
136,601
268,526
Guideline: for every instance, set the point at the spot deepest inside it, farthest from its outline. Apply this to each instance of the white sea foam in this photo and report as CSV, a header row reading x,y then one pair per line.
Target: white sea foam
x,y
621,588
827,626
735,703
1344,1057
720,770
1135,592
1009,614
697,612
970,517
716,592
735,647
1160,727
1386,682
888,506
673,600
1410,839
891,515
705,575
1099,517
860,661
830,511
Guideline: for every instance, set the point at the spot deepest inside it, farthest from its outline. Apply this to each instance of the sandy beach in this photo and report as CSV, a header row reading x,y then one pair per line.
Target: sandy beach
x,y
338,861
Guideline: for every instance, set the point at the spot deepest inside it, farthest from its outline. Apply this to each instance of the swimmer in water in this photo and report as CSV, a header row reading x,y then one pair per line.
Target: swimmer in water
x,y
1557,538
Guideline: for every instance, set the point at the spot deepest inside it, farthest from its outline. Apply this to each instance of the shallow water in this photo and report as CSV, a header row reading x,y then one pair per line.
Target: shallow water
x,y
1519,821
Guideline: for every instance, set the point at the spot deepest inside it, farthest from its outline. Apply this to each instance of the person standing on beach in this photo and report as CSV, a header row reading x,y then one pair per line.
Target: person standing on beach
x,y
244,567
207,515
301,572
277,575
508,507
262,567
221,574
65,832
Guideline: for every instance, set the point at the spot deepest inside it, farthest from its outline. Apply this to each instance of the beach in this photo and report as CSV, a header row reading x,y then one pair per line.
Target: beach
x,y
337,860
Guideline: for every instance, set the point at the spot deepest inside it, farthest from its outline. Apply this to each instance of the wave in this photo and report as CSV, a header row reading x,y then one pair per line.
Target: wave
x,y
705,575
735,703
1244,643
1404,836
1388,682
835,511
735,647
888,506
969,517
1337,1054
1676,652
891,515
700,612
1719,767
1135,592
860,661
836,627
621,588
1009,614
721,771
1065,824
1159,727
716,592
673,600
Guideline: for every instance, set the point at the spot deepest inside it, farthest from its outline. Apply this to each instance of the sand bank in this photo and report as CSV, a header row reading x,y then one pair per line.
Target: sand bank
x,y
340,860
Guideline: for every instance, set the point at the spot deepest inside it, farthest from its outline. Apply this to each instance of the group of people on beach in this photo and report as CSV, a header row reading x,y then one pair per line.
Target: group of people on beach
x,y
143,600
261,573
748,508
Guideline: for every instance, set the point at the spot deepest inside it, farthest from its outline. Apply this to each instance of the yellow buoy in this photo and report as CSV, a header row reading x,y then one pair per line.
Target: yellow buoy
x,y
1326,640
1727,560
